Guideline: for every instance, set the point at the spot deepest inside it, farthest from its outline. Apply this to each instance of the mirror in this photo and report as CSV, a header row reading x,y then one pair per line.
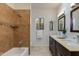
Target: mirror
x,y
51,25
74,20
61,22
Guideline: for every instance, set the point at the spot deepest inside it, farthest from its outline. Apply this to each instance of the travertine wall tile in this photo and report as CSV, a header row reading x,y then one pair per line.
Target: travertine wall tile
x,y
8,18
8,15
24,28
6,38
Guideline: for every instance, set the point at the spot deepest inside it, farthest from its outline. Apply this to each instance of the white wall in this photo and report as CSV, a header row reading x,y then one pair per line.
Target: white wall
x,y
48,14
67,8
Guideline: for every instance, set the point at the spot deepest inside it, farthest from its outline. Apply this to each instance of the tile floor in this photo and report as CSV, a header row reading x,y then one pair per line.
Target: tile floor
x,y
40,51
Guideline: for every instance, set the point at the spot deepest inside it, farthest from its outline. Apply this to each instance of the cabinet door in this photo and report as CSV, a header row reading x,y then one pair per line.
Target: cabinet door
x,y
52,46
61,50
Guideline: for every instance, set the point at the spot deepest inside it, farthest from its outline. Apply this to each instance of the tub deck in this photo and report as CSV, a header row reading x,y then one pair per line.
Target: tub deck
x,y
17,52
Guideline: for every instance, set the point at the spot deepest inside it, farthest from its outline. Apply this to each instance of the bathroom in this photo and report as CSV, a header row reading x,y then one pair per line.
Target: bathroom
x,y
58,38
39,29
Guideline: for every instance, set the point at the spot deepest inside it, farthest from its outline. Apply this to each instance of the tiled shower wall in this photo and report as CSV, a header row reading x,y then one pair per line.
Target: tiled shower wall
x,y
22,33
8,19
14,28
6,38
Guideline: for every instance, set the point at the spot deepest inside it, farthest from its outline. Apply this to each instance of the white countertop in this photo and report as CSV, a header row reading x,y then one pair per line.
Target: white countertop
x,y
67,43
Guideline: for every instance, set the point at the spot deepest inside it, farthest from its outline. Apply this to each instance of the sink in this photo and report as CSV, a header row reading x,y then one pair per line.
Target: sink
x,y
61,37
71,43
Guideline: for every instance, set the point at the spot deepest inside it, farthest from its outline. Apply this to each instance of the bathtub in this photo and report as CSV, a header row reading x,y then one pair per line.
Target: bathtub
x,y
17,52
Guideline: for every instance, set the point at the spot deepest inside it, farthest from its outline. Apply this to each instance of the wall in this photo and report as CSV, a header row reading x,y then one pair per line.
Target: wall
x,y
13,27
8,15
22,33
48,14
66,7
8,19
6,38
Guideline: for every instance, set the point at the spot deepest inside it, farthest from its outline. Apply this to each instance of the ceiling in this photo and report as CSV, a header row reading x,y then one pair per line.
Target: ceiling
x,y
46,5
34,5
20,5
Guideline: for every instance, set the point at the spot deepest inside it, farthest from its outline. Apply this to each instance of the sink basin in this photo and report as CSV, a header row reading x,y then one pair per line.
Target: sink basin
x,y
71,43
61,37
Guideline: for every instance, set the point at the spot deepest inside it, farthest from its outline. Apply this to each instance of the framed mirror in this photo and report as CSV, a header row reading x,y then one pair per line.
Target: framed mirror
x,y
61,22
74,23
51,25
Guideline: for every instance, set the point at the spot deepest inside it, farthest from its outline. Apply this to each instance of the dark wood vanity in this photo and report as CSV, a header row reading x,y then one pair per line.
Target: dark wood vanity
x,y
58,49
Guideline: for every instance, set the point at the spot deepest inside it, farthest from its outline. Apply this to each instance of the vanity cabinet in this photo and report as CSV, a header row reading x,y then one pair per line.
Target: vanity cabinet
x,y
61,50
58,49
52,46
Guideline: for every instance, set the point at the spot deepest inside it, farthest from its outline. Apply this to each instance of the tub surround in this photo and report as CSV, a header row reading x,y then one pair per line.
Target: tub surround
x,y
23,32
67,46
8,15
10,26
8,20
23,51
